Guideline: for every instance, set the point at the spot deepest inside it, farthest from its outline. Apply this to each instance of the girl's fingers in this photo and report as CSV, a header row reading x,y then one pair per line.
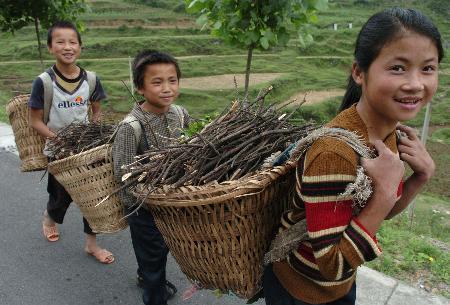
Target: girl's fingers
x,y
404,149
380,147
410,132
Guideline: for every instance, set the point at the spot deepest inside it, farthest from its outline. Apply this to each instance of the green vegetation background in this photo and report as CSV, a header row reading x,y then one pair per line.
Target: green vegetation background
x,y
117,30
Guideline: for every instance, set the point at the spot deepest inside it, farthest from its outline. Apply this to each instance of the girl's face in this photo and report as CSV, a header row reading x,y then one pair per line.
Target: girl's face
x,y
400,81
160,88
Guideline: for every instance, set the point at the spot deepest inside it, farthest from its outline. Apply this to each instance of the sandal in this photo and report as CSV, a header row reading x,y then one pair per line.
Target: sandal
x,y
50,232
171,290
103,256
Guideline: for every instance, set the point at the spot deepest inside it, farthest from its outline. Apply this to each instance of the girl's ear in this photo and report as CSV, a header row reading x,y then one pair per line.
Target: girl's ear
x,y
357,74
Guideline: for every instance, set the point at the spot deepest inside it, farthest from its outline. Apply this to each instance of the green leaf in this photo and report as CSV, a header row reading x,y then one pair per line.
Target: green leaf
x,y
202,19
217,25
264,42
321,5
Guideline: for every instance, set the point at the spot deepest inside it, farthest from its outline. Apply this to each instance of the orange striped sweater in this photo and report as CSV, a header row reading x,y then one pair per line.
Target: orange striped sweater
x,y
323,268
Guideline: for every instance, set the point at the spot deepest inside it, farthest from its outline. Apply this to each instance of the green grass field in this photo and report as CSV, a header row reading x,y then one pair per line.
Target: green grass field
x,y
117,30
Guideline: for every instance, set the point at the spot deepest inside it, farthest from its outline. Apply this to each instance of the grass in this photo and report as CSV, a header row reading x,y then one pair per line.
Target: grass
x,y
417,254
442,136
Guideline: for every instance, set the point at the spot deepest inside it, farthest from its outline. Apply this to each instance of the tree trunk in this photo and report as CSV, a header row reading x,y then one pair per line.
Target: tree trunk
x,y
36,27
247,72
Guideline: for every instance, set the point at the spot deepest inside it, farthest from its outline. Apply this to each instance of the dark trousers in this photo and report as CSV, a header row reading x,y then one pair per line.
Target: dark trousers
x,y
59,201
275,294
151,255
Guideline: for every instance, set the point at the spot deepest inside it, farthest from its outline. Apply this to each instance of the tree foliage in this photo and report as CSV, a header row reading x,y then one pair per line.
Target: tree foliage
x,y
15,14
257,24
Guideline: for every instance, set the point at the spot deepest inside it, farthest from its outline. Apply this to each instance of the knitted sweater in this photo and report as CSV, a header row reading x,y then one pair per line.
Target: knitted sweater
x,y
323,268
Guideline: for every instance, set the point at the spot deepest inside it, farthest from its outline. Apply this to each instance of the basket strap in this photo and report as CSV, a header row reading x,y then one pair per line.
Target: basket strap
x,y
92,82
180,114
136,125
48,93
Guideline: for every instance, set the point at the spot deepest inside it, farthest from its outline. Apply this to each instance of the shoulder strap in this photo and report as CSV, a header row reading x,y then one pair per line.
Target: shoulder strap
x,y
92,81
137,128
48,93
180,114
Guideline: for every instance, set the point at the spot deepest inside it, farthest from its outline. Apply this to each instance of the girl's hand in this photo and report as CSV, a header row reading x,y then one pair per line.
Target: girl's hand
x,y
386,172
413,152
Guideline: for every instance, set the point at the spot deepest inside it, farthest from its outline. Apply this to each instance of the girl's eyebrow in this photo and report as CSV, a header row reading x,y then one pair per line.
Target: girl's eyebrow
x,y
404,59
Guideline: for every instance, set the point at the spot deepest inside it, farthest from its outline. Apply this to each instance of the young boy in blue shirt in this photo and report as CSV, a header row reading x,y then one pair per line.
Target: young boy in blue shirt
x,y
157,122
60,96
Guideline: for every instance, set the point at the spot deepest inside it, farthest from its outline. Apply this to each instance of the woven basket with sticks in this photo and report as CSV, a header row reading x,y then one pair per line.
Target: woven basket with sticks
x,y
29,143
87,175
219,233
215,204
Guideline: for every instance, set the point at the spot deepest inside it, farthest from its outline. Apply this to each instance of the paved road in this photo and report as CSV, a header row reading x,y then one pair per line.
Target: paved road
x,y
35,272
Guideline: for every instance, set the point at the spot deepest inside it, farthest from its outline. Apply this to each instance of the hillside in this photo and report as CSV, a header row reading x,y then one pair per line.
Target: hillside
x,y
116,30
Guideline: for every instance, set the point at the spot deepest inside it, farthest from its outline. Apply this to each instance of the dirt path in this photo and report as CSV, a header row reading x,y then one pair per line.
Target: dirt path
x,y
226,81
313,97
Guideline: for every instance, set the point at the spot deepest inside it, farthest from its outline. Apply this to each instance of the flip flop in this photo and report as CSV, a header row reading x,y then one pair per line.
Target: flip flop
x,y
50,232
103,256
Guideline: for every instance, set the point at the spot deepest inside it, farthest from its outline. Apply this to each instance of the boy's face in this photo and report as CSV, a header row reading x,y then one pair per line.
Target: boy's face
x,y
160,86
65,46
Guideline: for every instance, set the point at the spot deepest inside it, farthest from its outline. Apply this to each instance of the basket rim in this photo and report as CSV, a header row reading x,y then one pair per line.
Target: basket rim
x,y
70,162
14,101
242,187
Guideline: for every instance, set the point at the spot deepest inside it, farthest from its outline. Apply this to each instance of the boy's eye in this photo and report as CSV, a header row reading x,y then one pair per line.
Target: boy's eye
x,y
429,68
398,68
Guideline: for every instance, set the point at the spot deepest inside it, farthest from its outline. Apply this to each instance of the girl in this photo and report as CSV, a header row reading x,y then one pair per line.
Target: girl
x,y
395,73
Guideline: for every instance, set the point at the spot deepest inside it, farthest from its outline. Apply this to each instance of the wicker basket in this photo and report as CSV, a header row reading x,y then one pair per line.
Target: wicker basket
x,y
29,143
219,233
88,178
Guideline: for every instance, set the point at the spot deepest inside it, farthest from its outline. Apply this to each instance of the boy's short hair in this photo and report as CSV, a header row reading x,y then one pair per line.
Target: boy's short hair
x,y
150,57
62,24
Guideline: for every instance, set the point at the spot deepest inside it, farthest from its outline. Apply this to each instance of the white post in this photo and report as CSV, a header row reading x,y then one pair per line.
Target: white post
x,y
335,26
350,25
131,77
423,139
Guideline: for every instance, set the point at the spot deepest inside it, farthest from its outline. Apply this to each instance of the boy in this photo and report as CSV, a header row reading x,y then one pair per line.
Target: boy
x,y
60,96
151,123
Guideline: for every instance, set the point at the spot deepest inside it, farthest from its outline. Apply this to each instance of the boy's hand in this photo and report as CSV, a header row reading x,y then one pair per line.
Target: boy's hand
x,y
413,152
386,172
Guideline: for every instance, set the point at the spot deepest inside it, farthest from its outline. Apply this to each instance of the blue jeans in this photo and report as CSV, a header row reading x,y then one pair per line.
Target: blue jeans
x,y
276,294
151,255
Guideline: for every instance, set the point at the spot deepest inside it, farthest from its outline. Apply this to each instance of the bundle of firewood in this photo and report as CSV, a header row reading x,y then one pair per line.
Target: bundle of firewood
x,y
232,146
78,137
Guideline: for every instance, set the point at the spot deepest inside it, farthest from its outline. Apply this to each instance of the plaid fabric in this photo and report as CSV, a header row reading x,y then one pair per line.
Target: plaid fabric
x,y
159,130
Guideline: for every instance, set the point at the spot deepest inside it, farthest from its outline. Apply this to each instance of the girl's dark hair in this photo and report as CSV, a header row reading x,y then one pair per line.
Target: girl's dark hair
x,y
150,57
63,24
379,30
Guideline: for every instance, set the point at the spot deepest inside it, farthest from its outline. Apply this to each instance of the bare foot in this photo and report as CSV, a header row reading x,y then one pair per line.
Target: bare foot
x,y
49,228
91,248
102,255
